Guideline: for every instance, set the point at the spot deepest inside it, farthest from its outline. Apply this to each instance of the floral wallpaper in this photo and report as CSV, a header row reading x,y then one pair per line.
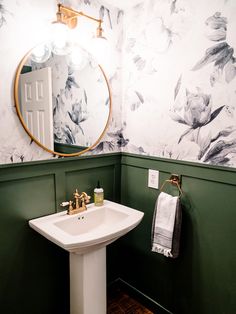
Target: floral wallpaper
x,y
24,25
80,95
180,80
172,76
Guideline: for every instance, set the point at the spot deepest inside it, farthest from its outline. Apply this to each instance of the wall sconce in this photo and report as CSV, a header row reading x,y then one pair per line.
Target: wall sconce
x,y
66,21
69,17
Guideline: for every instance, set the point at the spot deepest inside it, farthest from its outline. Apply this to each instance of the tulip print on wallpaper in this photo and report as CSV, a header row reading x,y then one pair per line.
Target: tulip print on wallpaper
x,y
221,54
180,102
215,149
197,114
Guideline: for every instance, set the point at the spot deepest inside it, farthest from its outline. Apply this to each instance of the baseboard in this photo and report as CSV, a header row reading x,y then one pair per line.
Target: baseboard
x,y
139,296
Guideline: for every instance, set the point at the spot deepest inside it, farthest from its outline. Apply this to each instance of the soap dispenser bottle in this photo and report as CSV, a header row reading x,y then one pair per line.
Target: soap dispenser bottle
x,y
98,195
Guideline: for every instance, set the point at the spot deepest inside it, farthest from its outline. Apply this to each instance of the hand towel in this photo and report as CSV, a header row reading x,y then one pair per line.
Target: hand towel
x,y
166,225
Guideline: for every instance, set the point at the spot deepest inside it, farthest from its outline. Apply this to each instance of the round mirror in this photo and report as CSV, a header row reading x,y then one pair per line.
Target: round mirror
x,y
62,98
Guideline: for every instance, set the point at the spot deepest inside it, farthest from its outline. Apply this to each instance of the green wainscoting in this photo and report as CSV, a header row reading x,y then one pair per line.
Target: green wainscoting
x,y
34,274
203,279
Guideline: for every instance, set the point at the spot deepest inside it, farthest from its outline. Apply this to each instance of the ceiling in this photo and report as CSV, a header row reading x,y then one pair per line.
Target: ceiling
x,y
123,4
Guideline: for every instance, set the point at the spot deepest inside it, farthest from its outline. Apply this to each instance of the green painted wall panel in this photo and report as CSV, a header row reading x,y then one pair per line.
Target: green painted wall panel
x,y
27,196
202,280
86,180
34,273
27,266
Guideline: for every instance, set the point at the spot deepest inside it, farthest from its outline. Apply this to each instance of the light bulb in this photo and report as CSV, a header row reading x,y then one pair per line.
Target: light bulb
x,y
41,53
100,49
77,58
60,45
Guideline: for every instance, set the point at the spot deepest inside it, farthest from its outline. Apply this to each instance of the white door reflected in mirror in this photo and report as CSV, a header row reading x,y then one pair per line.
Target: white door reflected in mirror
x,y
80,98
36,104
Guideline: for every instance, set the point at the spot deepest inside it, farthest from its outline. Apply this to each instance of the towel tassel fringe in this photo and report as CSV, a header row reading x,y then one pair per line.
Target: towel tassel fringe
x,y
162,250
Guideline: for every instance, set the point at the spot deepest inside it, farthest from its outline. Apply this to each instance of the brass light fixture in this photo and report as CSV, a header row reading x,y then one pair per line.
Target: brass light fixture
x,y
69,17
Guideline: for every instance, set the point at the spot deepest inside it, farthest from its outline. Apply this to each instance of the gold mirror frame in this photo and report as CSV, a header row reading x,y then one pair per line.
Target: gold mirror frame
x,y
17,105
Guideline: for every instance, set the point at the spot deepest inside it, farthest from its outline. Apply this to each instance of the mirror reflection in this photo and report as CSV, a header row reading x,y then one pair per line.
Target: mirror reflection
x,y
62,98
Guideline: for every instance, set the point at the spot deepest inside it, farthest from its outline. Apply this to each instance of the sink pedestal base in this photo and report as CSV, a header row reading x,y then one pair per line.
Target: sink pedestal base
x,y
88,282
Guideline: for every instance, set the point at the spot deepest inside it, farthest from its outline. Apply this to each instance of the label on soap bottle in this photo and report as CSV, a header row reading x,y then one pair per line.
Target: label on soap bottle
x,y
98,198
98,195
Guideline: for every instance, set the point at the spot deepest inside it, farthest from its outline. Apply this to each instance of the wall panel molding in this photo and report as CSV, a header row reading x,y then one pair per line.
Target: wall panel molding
x,y
191,169
202,279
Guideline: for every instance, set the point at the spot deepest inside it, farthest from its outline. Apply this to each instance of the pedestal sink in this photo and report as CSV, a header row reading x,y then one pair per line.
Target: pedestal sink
x,y
85,236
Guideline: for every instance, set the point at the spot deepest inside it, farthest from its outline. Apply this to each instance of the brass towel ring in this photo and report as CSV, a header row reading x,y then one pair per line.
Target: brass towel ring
x,y
174,179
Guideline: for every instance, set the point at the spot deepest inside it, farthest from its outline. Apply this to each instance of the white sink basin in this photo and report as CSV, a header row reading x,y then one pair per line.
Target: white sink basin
x,y
89,230
85,236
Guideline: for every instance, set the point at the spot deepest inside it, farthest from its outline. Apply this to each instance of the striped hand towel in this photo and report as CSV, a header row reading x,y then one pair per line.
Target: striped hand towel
x,y
166,225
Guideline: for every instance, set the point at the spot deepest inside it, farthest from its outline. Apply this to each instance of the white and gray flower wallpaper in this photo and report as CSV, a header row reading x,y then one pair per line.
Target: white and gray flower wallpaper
x,y
80,96
180,80
172,75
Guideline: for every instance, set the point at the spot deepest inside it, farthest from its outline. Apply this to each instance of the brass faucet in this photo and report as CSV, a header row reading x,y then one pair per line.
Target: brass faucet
x,y
79,203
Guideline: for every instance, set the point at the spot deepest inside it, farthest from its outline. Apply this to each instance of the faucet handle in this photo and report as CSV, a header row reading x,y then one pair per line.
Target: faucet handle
x,y
64,204
85,197
70,208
